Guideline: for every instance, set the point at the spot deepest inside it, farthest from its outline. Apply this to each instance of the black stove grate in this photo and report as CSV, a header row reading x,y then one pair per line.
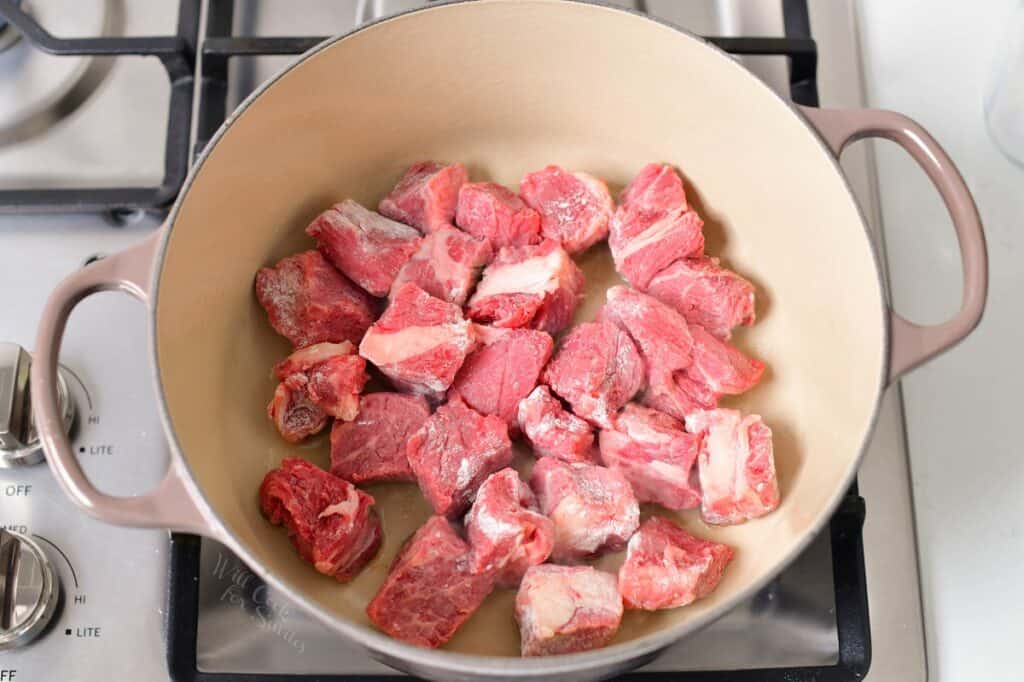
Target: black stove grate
x,y
177,54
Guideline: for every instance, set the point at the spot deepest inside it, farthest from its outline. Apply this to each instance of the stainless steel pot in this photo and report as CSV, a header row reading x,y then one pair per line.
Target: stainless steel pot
x,y
509,86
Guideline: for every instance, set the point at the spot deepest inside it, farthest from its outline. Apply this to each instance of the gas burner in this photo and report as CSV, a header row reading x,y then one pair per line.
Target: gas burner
x,y
38,90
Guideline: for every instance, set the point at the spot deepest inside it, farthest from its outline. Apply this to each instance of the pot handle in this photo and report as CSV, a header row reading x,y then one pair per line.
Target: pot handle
x,y
912,343
170,504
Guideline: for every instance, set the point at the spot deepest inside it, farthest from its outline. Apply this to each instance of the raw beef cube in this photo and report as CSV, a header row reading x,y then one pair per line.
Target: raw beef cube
x,y
666,567
506,529
502,370
717,369
294,414
552,431
364,245
565,609
656,456
653,225
496,213
574,208
720,367
666,346
706,294
426,195
529,286
329,520
446,265
308,301
419,342
454,451
430,591
372,446
333,373
736,465
597,369
593,507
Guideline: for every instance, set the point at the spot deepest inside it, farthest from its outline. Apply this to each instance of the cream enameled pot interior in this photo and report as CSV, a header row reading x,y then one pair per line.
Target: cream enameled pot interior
x,y
507,88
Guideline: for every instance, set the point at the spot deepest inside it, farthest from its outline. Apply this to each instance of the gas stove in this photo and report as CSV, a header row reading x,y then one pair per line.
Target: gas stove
x,y
95,141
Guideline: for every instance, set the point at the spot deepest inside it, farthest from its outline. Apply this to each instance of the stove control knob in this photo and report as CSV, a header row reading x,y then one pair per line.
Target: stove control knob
x,y
29,590
19,442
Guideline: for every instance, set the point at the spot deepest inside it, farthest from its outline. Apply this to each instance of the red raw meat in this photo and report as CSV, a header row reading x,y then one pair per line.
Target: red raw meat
x,y
333,374
372,447
294,414
446,265
574,208
666,567
308,301
706,294
529,286
736,465
329,520
554,432
454,451
593,507
366,246
565,609
665,344
717,369
506,529
656,456
426,195
419,342
502,370
653,225
496,213
597,369
430,591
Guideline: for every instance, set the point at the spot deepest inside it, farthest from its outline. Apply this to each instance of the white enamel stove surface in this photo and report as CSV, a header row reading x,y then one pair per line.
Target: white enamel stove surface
x,y
111,621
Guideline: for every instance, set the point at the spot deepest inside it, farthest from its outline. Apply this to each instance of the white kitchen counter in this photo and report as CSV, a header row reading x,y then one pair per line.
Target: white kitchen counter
x,y
932,61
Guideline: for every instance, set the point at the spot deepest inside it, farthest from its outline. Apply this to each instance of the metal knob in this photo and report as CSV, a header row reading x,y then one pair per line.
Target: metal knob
x,y
29,590
19,442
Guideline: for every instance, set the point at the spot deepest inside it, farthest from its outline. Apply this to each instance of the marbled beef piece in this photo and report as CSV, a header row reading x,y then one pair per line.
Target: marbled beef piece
x,y
419,342
308,301
575,208
331,522
706,294
446,265
502,371
736,465
553,431
497,214
656,456
506,529
430,591
593,508
334,376
565,609
371,447
529,286
597,370
653,225
294,414
369,248
664,341
453,452
426,195
666,567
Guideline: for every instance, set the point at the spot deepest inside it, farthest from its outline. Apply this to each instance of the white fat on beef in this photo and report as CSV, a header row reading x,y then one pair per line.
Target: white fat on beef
x,y
537,275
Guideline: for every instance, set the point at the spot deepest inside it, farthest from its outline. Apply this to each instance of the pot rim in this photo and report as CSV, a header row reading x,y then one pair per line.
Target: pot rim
x,y
616,656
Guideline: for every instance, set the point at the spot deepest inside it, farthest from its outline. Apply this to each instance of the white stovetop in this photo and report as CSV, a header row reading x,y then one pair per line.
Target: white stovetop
x,y
932,62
